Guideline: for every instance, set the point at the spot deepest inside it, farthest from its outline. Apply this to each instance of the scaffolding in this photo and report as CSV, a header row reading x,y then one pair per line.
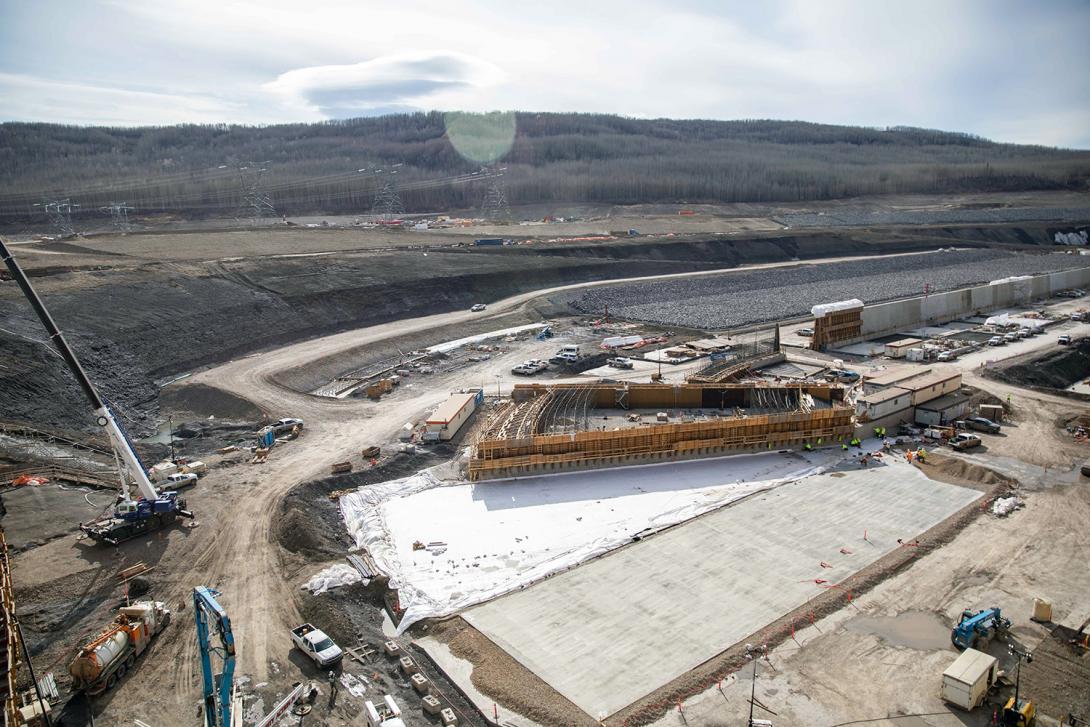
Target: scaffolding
x,y
550,428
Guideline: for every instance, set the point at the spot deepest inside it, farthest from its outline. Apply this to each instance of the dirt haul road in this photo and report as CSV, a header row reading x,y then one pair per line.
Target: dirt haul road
x,y
234,548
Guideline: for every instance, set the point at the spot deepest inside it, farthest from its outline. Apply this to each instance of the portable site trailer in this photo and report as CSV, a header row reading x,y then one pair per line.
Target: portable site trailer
x,y
968,679
445,422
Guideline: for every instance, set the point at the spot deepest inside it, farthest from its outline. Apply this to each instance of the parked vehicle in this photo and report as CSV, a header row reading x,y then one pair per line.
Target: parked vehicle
x,y
103,661
1010,337
621,362
565,358
808,332
285,425
996,341
964,441
570,348
981,424
478,307
1064,340
314,643
947,356
966,682
178,480
529,368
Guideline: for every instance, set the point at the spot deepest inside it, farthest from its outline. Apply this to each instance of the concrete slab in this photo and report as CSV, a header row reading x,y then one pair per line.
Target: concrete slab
x,y
612,631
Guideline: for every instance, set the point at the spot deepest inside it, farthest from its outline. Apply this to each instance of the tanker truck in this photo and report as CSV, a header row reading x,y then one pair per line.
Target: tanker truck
x,y
101,663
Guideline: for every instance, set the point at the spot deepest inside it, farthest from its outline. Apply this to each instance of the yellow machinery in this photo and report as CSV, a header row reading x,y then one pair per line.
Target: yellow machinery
x,y
1024,715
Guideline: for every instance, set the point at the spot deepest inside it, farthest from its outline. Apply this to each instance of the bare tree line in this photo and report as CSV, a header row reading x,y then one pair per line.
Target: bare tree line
x,y
556,158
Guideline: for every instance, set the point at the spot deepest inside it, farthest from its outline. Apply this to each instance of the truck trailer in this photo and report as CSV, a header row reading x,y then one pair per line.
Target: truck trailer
x,y
103,661
966,682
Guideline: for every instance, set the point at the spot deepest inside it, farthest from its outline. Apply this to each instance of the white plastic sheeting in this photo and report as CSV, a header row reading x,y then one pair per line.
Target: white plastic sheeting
x,y
824,309
503,333
1006,505
482,540
1012,279
334,576
1006,319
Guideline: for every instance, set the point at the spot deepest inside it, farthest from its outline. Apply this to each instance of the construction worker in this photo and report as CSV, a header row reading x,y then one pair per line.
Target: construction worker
x,y
921,454
856,442
844,446
808,447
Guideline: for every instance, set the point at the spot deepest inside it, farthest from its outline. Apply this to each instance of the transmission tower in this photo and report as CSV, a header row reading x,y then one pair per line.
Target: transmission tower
x,y
119,213
59,212
254,202
387,205
495,208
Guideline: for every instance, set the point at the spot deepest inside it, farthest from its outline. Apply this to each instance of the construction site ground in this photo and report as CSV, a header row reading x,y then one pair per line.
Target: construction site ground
x,y
689,593
836,675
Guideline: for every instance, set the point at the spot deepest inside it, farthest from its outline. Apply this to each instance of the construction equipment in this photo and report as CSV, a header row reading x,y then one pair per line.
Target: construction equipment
x,y
976,629
219,695
101,663
1018,712
131,518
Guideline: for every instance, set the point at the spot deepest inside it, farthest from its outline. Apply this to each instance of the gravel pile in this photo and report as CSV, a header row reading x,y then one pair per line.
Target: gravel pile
x,y
865,216
747,297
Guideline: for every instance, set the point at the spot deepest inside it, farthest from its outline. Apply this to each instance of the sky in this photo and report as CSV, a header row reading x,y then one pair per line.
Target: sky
x,y
1006,70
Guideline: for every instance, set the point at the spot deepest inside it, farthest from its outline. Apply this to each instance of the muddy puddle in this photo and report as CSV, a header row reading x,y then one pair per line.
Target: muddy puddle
x,y
913,629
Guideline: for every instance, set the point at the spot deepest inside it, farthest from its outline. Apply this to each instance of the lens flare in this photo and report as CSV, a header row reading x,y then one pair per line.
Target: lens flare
x,y
481,138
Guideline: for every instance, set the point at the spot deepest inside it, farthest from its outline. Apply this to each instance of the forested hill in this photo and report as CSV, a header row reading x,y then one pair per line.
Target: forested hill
x,y
555,158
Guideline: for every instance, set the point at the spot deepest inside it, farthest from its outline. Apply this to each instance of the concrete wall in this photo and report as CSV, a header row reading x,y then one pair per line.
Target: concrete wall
x,y
886,318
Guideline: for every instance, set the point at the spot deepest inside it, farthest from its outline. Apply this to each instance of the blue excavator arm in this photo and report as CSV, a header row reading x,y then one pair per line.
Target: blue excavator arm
x,y
212,621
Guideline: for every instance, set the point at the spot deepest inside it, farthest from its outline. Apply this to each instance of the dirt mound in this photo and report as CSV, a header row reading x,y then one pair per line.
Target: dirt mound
x,y
297,533
203,401
1056,369
958,471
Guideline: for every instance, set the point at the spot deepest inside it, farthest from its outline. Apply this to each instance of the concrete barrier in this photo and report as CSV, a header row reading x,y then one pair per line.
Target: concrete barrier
x,y
885,318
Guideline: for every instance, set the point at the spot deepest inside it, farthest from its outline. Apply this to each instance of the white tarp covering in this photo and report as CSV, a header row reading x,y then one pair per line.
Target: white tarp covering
x,y
618,341
334,576
1012,279
824,309
1006,505
482,540
1006,319
503,333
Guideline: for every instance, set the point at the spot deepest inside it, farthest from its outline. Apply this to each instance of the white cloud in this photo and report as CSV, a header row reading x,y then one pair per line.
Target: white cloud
x,y
961,66
395,80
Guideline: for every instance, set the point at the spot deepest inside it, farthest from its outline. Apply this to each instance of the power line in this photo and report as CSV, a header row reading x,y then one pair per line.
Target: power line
x,y
119,213
59,212
387,205
495,207
254,197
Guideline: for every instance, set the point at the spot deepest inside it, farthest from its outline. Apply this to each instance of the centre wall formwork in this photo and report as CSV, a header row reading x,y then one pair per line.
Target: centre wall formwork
x,y
885,318
543,453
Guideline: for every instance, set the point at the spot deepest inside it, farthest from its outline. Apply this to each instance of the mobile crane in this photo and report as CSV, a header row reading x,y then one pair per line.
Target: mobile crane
x,y
131,517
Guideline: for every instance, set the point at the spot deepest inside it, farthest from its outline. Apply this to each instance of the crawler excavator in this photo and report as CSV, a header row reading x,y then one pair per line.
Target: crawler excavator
x,y
131,517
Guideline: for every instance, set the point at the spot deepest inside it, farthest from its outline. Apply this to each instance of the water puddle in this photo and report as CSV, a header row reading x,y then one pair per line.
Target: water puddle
x,y
913,629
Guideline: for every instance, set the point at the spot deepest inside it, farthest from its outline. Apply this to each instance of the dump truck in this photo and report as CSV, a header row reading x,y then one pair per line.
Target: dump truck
x,y
966,682
101,663
314,643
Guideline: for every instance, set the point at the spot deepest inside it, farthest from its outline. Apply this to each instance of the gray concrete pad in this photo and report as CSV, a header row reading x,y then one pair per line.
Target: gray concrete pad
x,y
611,631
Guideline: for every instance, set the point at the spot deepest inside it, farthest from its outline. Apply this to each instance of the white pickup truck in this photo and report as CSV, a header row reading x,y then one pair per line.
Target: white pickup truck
x,y
314,643
178,480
